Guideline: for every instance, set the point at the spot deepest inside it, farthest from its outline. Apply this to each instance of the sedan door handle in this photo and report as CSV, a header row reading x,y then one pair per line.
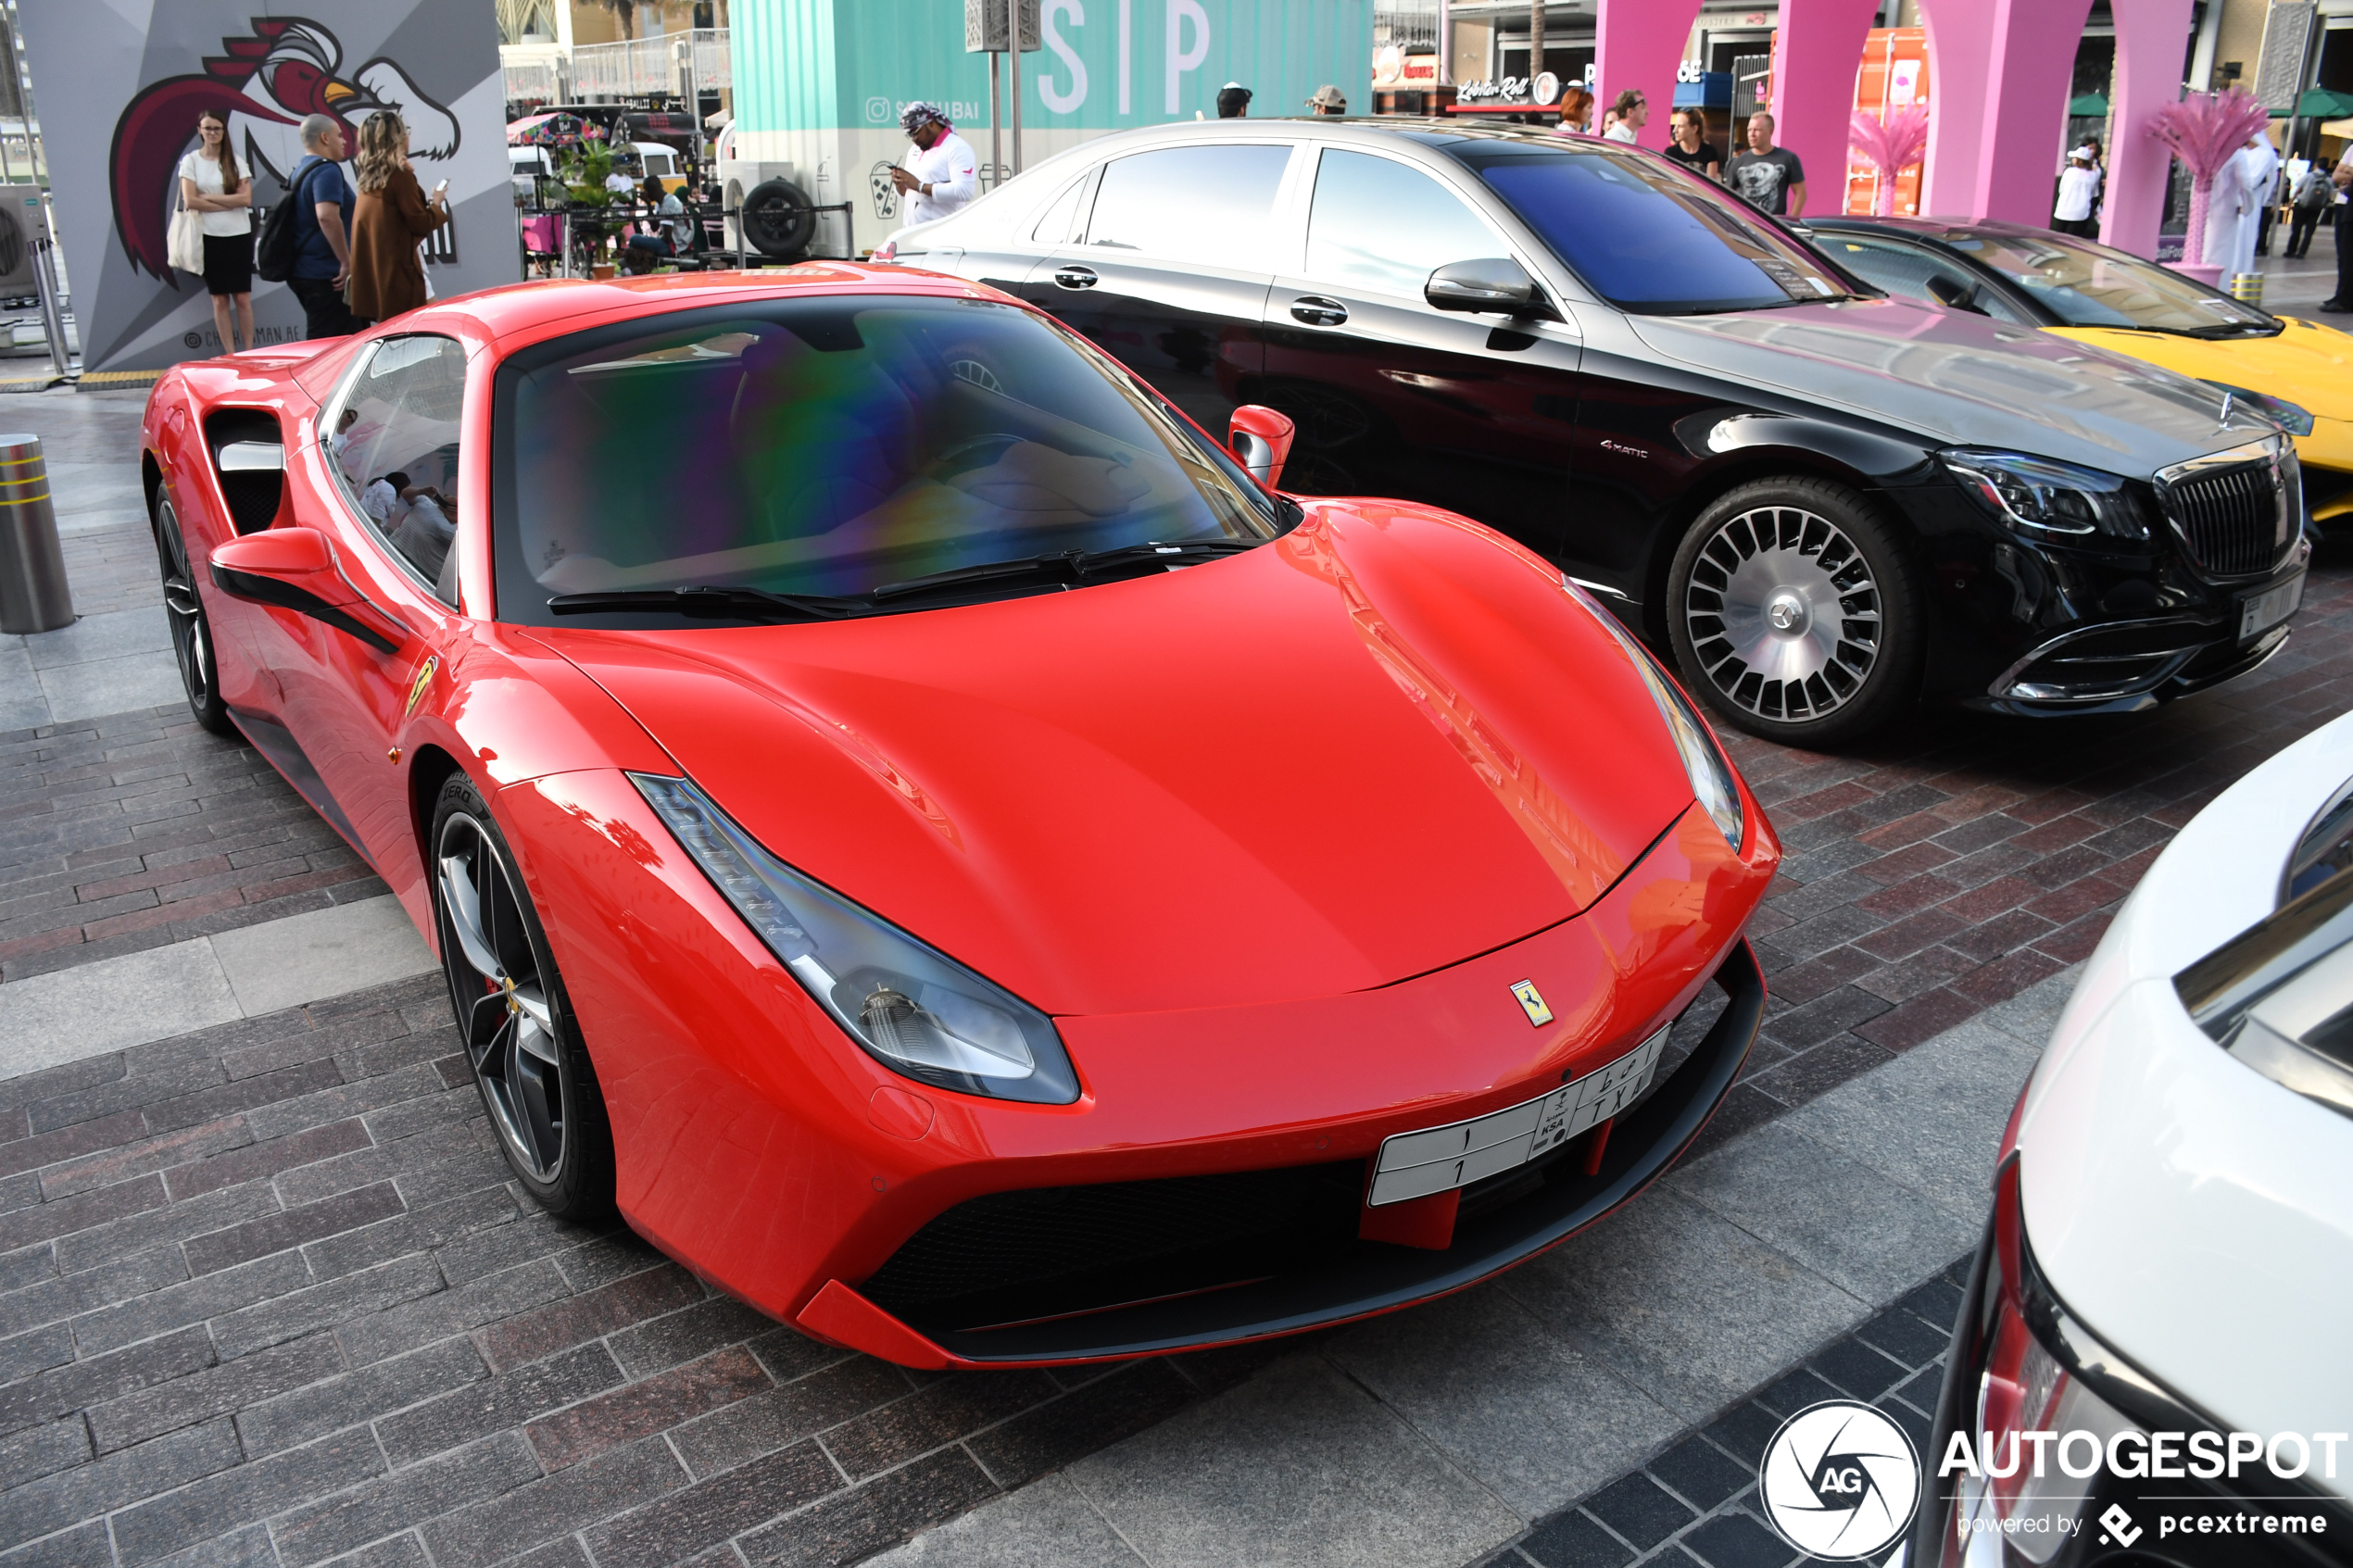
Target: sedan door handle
x,y
1075,277
1318,312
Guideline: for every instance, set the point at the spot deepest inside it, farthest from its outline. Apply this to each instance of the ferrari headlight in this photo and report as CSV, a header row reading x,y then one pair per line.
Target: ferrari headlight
x,y
1703,762
2293,417
916,1009
2040,496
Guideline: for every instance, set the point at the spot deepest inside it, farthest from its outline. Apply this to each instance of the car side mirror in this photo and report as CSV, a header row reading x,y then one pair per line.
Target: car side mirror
x,y
1956,294
295,569
1260,440
1497,283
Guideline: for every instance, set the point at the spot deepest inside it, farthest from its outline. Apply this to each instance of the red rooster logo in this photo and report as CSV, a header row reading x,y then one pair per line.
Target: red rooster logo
x,y
264,85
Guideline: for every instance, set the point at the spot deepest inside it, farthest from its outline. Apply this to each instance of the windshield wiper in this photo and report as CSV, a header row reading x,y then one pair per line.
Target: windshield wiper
x,y
722,604
1066,566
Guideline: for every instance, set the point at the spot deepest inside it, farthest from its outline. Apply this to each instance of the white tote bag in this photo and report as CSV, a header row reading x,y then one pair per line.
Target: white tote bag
x,y
185,249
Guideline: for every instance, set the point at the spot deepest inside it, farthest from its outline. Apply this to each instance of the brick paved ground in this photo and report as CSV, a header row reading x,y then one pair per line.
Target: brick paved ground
x,y
1695,1505
122,834
267,1299
1954,863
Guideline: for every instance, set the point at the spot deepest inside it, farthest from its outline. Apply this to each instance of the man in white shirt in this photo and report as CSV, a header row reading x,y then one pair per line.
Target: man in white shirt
x,y
1628,116
940,176
2079,188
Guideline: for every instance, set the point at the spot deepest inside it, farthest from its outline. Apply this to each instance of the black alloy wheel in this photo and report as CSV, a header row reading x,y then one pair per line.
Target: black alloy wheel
x,y
527,1058
1795,613
191,632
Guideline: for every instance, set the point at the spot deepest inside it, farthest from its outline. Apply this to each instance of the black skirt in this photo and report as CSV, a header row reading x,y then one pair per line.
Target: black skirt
x,y
228,263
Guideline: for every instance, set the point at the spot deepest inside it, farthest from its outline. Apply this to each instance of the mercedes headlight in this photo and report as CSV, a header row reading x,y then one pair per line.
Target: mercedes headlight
x,y
2293,417
914,1010
1703,762
2045,496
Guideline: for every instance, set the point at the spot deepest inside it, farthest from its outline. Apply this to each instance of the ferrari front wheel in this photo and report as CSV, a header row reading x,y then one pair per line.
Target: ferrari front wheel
x,y
534,1076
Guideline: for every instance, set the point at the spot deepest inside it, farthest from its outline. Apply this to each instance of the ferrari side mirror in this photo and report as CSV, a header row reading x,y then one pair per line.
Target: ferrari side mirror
x,y
1954,294
295,569
1260,440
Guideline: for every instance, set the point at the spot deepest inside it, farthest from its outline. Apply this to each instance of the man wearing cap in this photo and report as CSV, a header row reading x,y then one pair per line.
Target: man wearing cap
x,y
1233,101
1327,100
2079,195
940,176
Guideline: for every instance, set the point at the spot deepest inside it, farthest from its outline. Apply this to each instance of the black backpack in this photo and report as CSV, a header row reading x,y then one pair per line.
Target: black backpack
x,y
274,253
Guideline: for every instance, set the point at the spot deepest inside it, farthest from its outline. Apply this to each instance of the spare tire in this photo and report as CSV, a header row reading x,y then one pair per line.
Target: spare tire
x,y
779,219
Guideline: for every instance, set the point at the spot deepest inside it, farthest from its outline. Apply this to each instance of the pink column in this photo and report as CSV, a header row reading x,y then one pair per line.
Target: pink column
x,y
1961,43
2026,88
1638,44
1821,49
2148,73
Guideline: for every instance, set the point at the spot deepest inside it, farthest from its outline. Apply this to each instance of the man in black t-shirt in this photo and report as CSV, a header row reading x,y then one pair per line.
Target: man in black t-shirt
x,y
1769,178
1689,144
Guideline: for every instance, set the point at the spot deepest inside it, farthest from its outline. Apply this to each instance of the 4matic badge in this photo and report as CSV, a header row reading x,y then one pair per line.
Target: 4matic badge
x,y
1840,1480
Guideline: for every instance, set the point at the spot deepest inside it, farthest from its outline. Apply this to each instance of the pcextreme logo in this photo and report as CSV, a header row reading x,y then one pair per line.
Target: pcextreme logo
x,y
1840,1480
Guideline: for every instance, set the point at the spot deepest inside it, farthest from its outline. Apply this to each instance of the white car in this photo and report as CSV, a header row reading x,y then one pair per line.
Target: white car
x,y
2154,1360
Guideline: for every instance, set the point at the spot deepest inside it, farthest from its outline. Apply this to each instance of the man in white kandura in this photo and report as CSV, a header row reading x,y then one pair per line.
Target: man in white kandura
x,y
940,175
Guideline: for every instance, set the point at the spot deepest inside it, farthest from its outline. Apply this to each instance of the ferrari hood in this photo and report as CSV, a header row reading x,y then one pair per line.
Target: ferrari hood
x,y
2307,364
1962,379
1379,746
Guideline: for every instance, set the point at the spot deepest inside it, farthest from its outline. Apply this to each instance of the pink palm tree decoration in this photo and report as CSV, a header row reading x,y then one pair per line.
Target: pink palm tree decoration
x,y
2203,131
1889,145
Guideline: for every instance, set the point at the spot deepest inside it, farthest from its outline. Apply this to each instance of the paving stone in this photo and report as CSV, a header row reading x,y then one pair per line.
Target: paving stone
x,y
83,1546
852,1525
538,1511
948,1409
1046,1525
325,1306
566,1323
42,1450
1904,1337
766,1422
56,1502
646,1407
1701,1473
63,1389
1736,1540
506,1401
496,1467
1051,1436
1640,1510
687,1520
379,1390
404,1327
48,1297
1576,1540
248,1491
292,1228
682,1336
206,1296
219,1390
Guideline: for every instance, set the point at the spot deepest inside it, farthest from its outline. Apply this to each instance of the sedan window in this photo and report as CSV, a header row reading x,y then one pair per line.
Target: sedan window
x,y
394,442
2090,285
827,447
1907,270
1645,235
1382,226
1213,204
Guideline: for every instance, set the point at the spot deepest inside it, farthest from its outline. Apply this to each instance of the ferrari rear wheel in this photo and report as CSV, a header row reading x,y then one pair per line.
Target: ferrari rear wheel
x,y
528,1061
190,633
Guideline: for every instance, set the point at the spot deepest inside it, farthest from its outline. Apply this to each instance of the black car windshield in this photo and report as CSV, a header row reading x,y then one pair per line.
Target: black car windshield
x,y
2089,286
1645,235
830,445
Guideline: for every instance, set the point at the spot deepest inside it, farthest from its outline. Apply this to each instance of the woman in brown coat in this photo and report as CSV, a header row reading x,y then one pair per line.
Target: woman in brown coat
x,y
388,277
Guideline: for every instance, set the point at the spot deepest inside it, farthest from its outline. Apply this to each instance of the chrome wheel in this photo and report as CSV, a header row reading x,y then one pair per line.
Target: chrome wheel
x,y
1783,613
496,983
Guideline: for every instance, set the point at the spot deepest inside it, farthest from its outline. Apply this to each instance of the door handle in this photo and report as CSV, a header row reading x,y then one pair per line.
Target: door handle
x,y
1318,312
1075,277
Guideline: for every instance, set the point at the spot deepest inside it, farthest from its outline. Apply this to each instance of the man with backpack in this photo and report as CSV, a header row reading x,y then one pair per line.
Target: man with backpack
x,y
305,242
2313,197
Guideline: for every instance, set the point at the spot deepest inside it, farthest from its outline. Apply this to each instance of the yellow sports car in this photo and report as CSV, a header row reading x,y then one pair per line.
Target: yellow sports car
x,y
2297,372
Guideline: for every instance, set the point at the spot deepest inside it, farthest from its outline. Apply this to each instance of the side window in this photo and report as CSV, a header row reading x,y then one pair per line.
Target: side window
x,y
1054,227
394,442
1211,203
1905,270
1384,227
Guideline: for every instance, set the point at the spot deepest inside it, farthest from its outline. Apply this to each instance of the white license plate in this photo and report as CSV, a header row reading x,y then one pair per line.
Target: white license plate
x,y
2263,612
1416,1164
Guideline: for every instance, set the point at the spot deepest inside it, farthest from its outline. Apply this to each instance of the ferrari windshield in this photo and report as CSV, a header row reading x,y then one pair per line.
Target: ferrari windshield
x,y
1645,235
2089,286
825,447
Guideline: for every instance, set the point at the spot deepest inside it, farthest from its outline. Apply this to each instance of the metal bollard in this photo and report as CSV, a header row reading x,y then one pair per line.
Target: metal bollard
x,y
33,595
2248,288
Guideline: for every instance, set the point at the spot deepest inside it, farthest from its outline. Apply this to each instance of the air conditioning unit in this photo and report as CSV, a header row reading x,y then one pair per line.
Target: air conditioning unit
x,y
21,218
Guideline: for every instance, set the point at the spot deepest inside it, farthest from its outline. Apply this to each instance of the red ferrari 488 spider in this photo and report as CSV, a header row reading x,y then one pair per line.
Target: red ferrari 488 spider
x,y
955,855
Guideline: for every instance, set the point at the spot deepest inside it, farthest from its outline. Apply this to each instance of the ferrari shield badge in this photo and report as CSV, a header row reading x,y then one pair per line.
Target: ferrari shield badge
x,y
424,683
1531,1002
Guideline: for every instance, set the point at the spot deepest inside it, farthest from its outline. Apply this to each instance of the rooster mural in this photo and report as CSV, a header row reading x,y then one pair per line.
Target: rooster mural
x,y
265,83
